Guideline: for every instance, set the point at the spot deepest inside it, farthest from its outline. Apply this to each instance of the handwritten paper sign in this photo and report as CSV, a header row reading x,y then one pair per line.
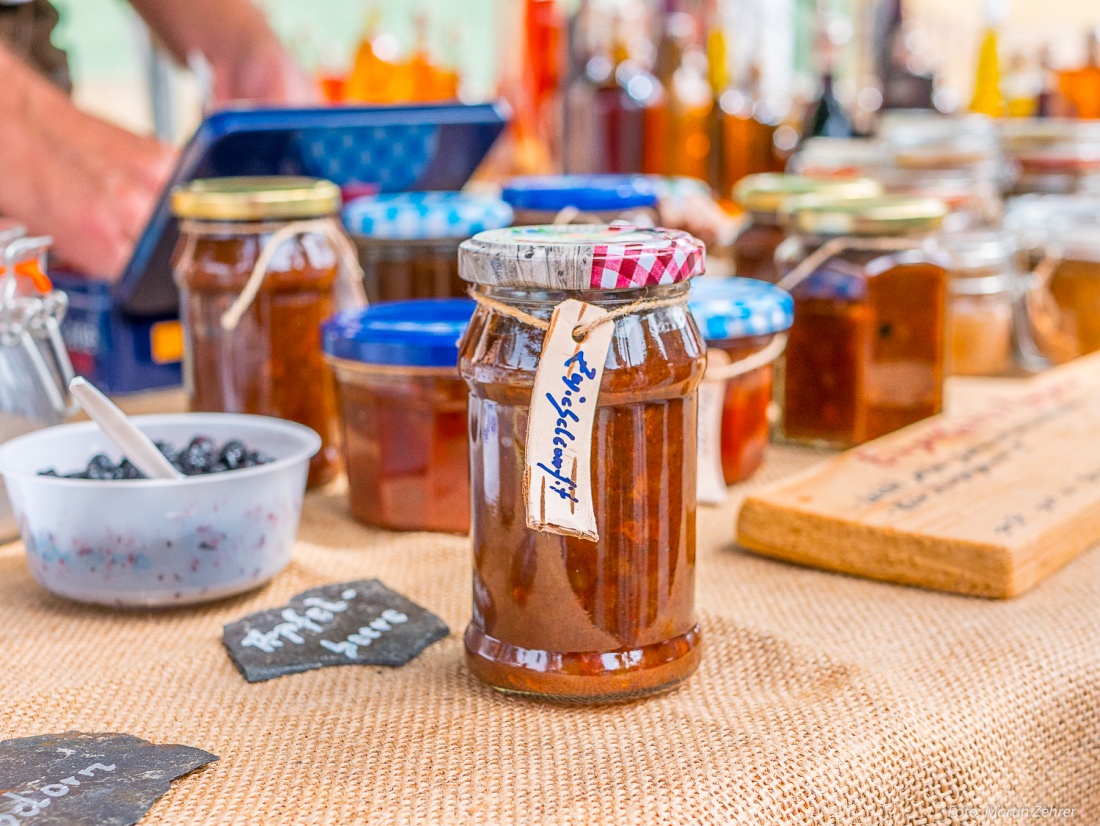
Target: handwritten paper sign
x,y
558,475
984,503
355,623
76,779
711,485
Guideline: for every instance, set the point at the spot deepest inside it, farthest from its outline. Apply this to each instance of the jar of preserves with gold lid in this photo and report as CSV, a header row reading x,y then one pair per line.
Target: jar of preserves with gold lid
x,y
765,197
260,264
866,353
606,612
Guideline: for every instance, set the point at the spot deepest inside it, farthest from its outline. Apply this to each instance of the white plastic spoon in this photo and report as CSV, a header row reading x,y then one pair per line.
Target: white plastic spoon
x,y
116,425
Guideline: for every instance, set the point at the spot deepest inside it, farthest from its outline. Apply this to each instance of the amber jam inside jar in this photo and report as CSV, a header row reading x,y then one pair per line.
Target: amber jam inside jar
x,y
403,410
408,241
1072,276
866,354
746,321
563,617
764,197
268,362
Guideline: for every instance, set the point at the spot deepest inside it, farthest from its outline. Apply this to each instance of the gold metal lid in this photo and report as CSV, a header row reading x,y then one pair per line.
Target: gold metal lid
x,y
770,192
884,215
255,198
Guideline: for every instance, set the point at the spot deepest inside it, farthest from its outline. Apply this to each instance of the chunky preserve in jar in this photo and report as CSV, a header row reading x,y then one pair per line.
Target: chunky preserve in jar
x,y
745,321
258,265
408,241
866,353
765,197
403,410
561,616
574,199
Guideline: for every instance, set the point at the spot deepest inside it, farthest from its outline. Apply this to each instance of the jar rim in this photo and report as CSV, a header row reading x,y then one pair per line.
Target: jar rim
x,y
251,198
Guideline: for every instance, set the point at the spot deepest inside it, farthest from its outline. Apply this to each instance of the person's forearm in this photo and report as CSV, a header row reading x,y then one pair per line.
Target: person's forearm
x,y
212,27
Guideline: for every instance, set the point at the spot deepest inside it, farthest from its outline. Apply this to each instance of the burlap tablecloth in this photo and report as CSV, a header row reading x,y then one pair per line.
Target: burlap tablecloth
x,y
821,699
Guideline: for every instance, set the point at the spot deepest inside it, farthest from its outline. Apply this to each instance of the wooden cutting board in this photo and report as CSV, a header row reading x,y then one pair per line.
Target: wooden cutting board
x,y
986,503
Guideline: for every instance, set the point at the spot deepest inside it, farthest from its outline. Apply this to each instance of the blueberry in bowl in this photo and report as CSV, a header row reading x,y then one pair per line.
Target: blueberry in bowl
x,y
102,534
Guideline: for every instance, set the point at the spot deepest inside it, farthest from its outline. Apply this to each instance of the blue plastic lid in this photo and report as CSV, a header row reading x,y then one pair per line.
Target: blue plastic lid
x,y
588,193
411,216
422,333
726,308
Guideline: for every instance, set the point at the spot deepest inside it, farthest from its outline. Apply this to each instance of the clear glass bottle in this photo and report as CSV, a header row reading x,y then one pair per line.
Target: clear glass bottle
x,y
563,617
866,353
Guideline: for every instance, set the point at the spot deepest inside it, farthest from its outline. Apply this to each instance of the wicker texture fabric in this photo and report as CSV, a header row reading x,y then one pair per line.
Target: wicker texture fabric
x,y
821,700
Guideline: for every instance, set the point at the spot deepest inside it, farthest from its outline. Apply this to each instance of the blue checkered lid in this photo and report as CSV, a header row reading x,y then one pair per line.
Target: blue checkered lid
x,y
726,308
422,215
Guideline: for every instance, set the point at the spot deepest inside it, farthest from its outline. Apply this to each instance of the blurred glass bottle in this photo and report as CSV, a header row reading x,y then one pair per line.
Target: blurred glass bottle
x,y
1081,87
825,117
374,66
677,125
988,96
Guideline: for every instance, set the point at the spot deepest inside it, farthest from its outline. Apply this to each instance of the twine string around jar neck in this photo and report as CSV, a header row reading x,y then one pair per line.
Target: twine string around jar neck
x,y
753,361
835,246
349,280
581,331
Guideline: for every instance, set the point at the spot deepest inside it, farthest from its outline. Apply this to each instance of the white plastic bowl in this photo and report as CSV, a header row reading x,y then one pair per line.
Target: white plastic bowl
x,y
152,542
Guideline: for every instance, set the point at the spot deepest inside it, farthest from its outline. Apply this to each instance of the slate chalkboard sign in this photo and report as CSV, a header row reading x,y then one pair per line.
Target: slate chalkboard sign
x,y
354,623
76,779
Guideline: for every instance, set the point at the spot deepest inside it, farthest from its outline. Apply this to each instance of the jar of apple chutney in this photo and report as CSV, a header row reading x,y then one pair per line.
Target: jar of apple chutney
x,y
408,241
744,324
260,264
598,606
403,410
764,197
866,354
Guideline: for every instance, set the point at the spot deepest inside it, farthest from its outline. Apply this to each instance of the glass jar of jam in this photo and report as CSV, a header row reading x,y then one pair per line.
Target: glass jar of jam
x,y
986,305
403,410
764,197
1071,276
1052,156
743,323
258,265
408,241
582,199
560,616
866,353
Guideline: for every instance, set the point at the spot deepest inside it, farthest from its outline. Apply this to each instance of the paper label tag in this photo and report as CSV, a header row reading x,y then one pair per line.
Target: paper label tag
x,y
712,399
558,476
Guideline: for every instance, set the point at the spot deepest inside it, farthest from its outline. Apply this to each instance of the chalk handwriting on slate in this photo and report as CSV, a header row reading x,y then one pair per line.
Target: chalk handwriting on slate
x,y
362,623
84,779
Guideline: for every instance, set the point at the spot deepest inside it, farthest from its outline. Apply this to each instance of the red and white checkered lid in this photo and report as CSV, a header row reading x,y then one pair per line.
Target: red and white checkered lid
x,y
585,257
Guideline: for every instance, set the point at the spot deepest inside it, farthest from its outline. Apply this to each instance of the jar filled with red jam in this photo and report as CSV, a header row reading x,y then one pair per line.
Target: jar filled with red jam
x,y
866,354
765,197
403,410
561,616
744,324
258,265
408,241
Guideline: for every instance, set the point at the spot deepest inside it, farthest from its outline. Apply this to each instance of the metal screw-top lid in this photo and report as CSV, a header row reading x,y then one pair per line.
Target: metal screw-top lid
x,y
255,198
771,192
583,257
882,216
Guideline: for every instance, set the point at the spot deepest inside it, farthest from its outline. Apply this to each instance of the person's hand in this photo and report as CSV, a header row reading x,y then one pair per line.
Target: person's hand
x,y
261,72
89,184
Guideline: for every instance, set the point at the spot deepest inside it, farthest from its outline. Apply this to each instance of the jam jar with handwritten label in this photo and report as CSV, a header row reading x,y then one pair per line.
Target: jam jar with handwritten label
x,y
765,198
866,354
744,324
558,614
403,410
408,241
258,265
